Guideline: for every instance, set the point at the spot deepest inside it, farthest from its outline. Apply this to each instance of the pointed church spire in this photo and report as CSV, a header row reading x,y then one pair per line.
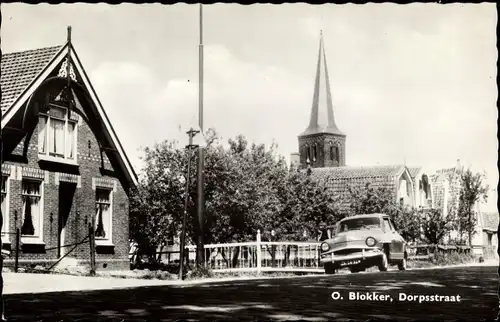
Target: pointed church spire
x,y
322,118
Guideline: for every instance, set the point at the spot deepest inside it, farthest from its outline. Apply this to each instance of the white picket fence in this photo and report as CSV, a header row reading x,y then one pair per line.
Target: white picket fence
x,y
254,256
266,256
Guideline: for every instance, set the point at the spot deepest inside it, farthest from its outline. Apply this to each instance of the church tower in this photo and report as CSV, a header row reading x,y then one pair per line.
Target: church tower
x,y
322,144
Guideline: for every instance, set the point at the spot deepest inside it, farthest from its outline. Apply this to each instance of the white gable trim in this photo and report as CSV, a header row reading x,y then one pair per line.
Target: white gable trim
x,y
34,85
59,57
103,115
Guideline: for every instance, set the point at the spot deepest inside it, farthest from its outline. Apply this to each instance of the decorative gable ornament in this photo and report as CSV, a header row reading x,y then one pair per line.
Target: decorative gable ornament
x,y
64,70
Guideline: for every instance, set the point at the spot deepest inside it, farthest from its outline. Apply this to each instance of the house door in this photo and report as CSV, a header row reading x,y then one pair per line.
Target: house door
x,y
66,196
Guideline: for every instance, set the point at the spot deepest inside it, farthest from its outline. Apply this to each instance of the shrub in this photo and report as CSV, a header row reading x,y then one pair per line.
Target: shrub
x,y
199,272
454,258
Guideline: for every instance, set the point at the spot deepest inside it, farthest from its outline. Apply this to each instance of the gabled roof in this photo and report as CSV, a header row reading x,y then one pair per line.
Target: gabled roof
x,y
490,221
20,69
23,72
414,171
353,172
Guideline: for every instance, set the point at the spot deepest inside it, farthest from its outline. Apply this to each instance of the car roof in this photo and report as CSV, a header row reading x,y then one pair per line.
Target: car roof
x,y
364,216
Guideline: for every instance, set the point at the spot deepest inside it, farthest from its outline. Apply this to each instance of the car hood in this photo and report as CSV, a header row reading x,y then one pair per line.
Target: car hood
x,y
354,235
354,239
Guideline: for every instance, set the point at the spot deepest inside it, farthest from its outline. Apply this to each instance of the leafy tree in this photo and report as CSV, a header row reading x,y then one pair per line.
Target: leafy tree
x,y
435,226
247,187
472,191
381,200
307,205
370,200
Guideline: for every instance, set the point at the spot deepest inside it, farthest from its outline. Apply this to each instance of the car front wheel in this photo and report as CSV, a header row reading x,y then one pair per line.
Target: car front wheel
x,y
384,264
356,269
329,269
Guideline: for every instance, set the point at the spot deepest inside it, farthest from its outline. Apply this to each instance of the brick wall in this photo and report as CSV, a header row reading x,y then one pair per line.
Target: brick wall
x,y
322,142
340,188
82,206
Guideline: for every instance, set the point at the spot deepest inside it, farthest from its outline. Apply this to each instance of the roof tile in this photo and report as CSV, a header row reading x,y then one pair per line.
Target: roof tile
x,y
490,220
19,69
350,172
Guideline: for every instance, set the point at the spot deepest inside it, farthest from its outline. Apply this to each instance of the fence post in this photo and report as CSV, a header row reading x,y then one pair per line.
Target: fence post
x,y
92,249
259,259
18,241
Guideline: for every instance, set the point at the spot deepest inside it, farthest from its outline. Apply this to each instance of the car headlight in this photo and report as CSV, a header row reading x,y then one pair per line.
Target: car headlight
x,y
325,247
370,242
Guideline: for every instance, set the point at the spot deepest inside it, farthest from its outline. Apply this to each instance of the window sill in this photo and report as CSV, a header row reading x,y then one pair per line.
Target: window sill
x,y
6,240
32,241
49,158
32,246
104,242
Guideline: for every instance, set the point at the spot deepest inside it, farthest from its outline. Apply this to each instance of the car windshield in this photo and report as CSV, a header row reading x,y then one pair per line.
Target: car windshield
x,y
359,223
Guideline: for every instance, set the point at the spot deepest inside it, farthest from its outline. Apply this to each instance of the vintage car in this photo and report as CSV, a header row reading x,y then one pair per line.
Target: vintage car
x,y
362,241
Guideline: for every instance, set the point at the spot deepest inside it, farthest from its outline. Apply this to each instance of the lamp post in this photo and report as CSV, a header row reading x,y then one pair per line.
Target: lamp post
x,y
191,146
273,249
200,253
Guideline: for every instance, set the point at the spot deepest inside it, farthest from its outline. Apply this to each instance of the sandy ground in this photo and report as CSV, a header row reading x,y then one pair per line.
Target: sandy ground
x,y
22,283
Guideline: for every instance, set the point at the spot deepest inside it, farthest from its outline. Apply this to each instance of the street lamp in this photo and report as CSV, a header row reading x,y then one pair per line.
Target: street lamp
x,y
273,249
192,145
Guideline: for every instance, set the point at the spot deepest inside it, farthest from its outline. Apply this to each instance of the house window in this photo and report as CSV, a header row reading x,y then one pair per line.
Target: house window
x,y
31,196
103,214
5,223
315,152
57,134
490,236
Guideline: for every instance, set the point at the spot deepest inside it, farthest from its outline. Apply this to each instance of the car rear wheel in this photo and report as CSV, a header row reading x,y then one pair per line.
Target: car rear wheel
x,y
329,269
384,264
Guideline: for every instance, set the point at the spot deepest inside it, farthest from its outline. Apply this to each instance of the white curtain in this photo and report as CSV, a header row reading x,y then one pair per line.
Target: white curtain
x,y
57,136
31,208
70,140
102,213
42,134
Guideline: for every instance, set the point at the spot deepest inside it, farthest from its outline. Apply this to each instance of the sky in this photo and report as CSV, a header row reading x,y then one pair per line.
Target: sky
x,y
412,84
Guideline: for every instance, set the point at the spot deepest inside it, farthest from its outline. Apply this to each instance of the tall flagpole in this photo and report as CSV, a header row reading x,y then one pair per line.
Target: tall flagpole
x,y
200,253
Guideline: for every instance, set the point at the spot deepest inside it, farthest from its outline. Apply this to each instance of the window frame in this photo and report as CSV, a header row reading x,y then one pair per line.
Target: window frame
x,y
38,237
5,233
47,155
108,240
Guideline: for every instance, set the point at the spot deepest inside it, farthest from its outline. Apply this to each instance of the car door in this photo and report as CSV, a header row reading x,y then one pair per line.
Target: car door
x,y
396,247
399,241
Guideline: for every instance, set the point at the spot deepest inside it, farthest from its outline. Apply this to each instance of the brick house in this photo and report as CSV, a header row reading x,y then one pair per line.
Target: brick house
x,y
63,166
488,227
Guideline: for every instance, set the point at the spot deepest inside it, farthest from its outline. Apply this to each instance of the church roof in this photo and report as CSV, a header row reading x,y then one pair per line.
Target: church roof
x,y
490,220
19,69
322,117
358,172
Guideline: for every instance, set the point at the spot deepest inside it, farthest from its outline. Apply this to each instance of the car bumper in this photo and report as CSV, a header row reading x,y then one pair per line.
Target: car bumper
x,y
355,258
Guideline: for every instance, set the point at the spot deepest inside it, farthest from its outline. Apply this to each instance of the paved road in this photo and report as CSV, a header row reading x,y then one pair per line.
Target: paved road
x,y
307,298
